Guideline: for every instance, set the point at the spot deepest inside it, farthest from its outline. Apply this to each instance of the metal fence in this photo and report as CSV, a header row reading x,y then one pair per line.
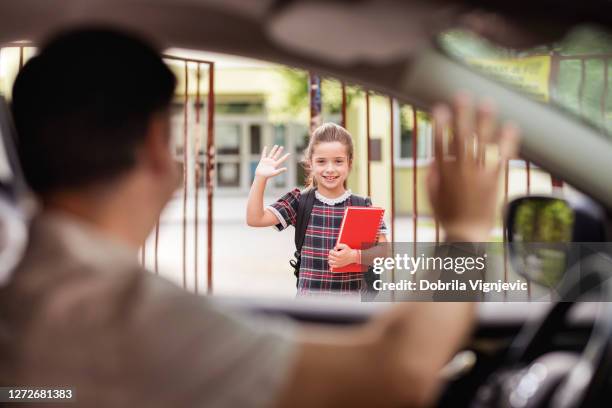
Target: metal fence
x,y
205,115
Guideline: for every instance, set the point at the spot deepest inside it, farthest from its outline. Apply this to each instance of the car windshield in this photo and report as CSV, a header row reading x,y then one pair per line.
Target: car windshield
x,y
571,74
248,104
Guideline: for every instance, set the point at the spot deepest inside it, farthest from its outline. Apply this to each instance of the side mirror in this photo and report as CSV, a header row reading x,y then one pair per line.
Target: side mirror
x,y
540,230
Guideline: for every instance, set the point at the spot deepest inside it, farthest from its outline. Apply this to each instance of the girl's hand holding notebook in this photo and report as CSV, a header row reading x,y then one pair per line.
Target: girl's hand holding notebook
x,y
342,255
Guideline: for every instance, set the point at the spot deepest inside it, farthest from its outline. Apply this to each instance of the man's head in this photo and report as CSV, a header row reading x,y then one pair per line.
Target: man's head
x,y
85,107
93,126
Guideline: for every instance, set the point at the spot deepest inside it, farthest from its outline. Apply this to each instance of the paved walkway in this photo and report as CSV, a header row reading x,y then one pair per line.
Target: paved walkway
x,y
246,261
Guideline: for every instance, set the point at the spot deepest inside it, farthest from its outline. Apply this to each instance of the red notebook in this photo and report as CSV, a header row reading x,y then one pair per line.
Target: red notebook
x,y
359,228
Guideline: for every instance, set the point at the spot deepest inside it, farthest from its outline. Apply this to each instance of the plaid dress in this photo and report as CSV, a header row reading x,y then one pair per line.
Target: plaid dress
x,y
321,237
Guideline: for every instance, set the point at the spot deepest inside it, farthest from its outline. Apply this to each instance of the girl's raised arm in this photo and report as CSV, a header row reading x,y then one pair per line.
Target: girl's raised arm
x,y
268,167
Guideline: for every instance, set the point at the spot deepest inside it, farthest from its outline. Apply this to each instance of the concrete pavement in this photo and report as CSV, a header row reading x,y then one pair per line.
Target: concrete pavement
x,y
246,261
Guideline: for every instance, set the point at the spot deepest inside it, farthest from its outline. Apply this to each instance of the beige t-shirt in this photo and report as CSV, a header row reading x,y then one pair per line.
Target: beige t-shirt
x,y
80,312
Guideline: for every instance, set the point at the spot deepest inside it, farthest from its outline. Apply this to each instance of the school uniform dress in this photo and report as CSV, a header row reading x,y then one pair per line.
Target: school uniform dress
x,y
321,237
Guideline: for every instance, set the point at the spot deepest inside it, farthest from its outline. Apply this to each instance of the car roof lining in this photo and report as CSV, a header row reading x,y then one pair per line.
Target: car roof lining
x,y
215,26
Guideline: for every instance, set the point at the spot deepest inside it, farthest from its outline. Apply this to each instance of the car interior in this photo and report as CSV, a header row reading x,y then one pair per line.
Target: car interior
x,y
521,354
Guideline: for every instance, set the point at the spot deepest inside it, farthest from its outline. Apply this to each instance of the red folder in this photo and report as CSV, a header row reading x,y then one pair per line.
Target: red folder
x,y
359,229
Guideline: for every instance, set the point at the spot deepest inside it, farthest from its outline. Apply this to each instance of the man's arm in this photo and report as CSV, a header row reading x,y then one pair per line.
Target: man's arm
x,y
393,361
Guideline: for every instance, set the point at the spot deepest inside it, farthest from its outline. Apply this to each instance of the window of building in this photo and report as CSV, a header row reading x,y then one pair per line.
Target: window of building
x,y
227,144
256,144
240,107
404,134
227,138
228,174
255,139
279,137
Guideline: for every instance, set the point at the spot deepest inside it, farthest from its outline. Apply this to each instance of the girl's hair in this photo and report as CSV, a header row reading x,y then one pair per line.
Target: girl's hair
x,y
327,132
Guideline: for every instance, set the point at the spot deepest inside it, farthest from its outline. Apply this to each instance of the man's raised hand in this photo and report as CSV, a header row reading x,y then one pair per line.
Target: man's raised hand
x,y
463,184
269,164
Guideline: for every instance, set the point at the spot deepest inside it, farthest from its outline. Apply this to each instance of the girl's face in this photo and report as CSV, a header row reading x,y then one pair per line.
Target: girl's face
x,y
330,166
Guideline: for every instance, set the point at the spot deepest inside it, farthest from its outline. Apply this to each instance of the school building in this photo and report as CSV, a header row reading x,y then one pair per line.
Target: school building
x,y
259,103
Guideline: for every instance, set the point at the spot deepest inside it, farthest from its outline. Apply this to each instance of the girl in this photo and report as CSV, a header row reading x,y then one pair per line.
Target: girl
x,y
328,161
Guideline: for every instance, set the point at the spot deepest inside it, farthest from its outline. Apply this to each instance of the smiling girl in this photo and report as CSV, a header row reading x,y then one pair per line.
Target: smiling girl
x,y
328,161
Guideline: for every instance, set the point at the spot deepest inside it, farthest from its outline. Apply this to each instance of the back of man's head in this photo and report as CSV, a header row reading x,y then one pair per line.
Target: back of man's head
x,y
82,107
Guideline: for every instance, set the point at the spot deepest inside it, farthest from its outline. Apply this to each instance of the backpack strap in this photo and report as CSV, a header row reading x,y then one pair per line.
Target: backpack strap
x,y
358,201
303,216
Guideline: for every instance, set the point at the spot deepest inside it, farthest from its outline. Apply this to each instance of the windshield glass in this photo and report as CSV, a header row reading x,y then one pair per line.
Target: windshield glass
x,y
571,74
247,104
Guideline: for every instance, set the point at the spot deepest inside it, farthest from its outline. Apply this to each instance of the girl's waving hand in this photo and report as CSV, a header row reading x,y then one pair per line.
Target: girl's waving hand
x,y
269,164
268,167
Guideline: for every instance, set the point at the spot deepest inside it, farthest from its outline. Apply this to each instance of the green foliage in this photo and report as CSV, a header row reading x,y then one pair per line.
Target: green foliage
x,y
332,95
579,87
464,45
544,221
298,95
585,40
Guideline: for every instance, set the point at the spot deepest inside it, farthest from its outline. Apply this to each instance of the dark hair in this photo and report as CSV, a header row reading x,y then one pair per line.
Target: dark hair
x,y
83,104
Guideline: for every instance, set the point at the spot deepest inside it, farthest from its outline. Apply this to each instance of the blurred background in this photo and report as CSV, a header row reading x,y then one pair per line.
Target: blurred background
x,y
247,104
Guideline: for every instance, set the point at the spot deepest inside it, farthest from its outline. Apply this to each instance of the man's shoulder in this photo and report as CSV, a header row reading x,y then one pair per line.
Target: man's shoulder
x,y
68,270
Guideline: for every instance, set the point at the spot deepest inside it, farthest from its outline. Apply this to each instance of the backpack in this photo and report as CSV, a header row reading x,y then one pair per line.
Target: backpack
x,y
303,217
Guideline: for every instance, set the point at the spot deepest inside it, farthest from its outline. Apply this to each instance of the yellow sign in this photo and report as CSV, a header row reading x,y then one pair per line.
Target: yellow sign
x,y
529,74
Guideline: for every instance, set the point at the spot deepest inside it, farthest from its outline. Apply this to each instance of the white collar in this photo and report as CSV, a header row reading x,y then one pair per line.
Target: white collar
x,y
333,201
